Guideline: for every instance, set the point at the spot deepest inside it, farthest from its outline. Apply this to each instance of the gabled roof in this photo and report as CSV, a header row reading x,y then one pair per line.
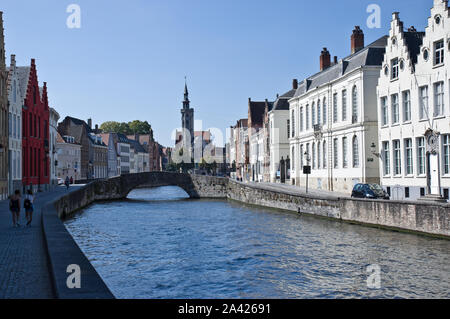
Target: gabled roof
x,y
371,55
24,76
137,146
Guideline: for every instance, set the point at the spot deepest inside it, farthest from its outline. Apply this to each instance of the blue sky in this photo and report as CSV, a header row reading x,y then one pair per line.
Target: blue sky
x,y
129,59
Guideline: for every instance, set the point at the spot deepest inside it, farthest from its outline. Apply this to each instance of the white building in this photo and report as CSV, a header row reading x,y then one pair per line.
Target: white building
x,y
333,119
138,158
279,133
257,156
414,108
69,157
15,100
54,118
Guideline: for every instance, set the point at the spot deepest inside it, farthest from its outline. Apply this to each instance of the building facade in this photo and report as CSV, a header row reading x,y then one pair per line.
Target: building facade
x,y
15,101
414,109
35,131
4,139
69,157
54,118
187,122
333,120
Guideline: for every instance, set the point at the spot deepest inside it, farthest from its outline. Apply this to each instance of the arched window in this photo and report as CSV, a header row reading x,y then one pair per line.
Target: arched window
x,y
313,114
324,111
293,158
355,104
324,154
313,155
355,148
319,117
318,155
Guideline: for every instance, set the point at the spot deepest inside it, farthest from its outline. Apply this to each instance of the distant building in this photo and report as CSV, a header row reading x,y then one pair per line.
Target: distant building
x,y
138,158
153,149
69,157
94,153
54,118
255,166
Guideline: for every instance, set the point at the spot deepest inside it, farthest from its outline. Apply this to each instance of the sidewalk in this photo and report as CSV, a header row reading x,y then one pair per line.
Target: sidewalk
x,y
298,189
24,272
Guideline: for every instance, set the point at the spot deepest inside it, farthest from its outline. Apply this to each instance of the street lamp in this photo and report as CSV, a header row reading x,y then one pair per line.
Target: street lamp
x,y
307,168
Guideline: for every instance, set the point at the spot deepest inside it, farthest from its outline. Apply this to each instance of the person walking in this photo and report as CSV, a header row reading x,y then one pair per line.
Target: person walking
x,y
14,207
28,205
67,182
71,180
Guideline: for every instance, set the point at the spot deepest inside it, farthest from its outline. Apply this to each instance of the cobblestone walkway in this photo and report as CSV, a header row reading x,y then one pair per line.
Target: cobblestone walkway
x,y
24,272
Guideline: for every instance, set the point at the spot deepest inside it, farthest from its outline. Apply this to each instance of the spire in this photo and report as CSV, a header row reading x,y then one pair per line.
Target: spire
x,y
186,92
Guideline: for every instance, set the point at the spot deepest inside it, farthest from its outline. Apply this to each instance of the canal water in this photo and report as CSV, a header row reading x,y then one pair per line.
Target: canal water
x,y
159,244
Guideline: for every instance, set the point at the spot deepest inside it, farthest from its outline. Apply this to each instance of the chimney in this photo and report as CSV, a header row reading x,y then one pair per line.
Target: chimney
x,y
295,84
325,59
96,128
412,29
89,123
357,39
335,60
33,63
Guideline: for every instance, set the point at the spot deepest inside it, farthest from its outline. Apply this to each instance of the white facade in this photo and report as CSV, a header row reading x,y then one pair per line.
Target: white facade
x,y
333,120
15,128
279,141
54,118
69,157
123,152
413,98
256,155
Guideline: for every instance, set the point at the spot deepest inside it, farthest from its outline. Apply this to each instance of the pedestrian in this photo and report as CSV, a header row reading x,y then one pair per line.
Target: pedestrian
x,y
71,180
14,207
28,205
67,182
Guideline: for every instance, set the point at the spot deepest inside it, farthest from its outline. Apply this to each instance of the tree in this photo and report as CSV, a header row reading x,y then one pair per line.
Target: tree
x,y
138,127
134,127
110,127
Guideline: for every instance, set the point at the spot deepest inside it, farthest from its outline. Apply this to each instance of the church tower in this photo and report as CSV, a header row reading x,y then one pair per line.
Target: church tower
x,y
187,120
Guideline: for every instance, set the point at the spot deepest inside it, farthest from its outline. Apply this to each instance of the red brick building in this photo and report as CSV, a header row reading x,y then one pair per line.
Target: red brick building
x,y
35,130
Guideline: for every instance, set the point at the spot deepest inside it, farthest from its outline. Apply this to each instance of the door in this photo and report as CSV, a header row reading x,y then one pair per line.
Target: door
x,y
433,171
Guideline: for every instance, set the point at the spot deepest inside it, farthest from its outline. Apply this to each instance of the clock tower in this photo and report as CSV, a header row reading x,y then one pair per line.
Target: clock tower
x,y
187,121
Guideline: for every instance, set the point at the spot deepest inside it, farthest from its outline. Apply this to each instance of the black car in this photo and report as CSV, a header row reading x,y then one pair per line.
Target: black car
x,y
372,191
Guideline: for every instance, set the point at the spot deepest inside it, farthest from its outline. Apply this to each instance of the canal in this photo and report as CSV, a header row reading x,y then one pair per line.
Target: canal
x,y
159,244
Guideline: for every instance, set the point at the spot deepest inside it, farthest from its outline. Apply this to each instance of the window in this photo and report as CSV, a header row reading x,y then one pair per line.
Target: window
x,y
355,149
324,112
344,153
293,158
344,105
307,117
313,114
14,91
406,192
313,155
324,154
421,156
438,98
288,129
394,73
318,155
439,52
406,106
394,108
408,156
301,156
397,157
386,159
319,116
10,124
423,101
335,153
422,191
384,111
354,105
335,108
301,119
293,123
446,153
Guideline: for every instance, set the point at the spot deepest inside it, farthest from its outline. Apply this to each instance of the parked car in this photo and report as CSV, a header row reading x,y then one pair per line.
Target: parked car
x,y
373,191
60,181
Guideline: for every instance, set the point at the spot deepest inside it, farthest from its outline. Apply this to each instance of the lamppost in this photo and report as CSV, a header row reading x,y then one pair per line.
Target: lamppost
x,y
307,168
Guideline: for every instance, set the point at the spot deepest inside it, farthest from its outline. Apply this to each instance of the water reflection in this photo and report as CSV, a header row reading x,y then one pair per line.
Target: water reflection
x,y
157,244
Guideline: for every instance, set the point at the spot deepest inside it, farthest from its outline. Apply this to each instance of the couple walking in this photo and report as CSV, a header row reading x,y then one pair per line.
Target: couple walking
x,y
14,207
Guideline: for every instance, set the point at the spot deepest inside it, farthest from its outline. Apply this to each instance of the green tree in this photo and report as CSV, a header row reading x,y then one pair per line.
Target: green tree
x,y
138,127
110,127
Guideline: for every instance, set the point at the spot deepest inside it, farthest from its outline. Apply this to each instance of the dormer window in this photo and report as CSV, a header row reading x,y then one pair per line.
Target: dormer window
x,y
439,52
425,55
394,73
437,19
